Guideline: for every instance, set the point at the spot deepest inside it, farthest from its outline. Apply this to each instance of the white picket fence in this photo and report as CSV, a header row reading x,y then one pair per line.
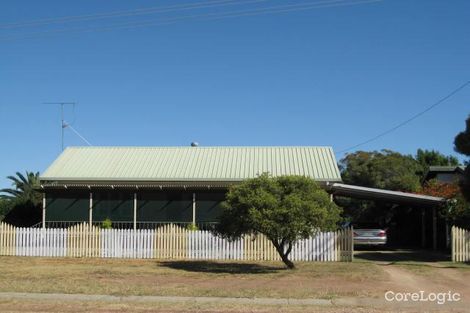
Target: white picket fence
x,y
166,242
36,242
460,244
204,245
127,243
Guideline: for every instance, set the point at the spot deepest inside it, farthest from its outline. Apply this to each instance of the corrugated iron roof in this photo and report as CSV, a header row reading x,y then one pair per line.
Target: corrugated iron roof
x,y
360,192
190,163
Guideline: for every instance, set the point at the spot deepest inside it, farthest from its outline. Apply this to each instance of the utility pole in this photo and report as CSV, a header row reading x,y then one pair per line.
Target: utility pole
x,y
63,124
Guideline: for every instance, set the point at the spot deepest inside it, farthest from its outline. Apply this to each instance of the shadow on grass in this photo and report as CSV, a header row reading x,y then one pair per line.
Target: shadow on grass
x,y
219,267
402,256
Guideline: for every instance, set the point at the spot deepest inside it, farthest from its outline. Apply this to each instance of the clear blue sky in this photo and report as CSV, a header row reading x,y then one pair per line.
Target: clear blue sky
x,y
326,76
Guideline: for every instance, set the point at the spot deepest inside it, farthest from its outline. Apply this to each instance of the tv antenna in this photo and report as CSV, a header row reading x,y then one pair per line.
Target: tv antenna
x,y
64,124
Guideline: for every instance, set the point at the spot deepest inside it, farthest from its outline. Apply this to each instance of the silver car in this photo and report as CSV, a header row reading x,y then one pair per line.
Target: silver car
x,y
369,234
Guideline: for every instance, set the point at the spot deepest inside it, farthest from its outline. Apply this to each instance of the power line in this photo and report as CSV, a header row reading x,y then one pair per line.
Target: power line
x,y
201,17
412,118
134,12
315,5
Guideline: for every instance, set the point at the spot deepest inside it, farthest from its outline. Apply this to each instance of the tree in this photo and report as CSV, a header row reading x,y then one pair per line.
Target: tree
x,y
462,145
24,188
284,209
23,201
456,207
434,158
427,158
5,207
384,169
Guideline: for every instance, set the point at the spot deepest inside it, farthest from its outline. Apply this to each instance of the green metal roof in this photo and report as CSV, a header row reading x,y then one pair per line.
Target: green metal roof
x,y
167,164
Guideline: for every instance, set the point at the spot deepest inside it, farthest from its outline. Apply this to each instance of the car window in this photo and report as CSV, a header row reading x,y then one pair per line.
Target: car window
x,y
366,225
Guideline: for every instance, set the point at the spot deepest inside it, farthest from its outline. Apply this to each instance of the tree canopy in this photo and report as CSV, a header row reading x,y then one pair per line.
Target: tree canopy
x,y
462,145
462,140
427,158
284,209
21,203
384,169
5,207
456,208
24,188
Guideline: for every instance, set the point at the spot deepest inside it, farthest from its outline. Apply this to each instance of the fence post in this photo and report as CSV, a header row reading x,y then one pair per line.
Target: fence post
x,y
135,211
462,245
459,245
90,209
44,210
351,237
453,239
467,246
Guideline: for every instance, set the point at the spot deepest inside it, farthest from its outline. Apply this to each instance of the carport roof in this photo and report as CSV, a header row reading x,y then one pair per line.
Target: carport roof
x,y
383,195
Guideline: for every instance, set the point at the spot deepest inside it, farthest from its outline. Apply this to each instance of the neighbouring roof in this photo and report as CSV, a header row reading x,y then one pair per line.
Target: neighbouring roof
x,y
189,164
383,195
447,169
435,170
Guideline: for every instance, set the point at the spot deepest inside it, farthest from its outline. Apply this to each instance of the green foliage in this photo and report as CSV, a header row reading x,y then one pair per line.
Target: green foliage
x,y
427,158
456,209
378,169
462,140
385,169
192,226
24,188
465,183
23,200
285,209
462,145
107,224
5,207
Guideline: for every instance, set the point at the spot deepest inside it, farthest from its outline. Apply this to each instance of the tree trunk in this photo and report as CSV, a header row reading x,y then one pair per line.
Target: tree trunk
x,y
287,262
284,255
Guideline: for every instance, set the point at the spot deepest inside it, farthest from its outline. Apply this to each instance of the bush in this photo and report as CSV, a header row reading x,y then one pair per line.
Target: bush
x,y
192,226
107,224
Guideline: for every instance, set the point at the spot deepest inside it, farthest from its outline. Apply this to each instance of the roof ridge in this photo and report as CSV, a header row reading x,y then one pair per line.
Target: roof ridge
x,y
188,147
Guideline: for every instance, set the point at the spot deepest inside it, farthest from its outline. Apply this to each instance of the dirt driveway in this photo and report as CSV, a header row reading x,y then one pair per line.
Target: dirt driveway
x,y
417,270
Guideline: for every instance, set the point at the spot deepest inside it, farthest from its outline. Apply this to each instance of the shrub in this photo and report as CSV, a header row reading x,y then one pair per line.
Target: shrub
x,y
107,224
192,226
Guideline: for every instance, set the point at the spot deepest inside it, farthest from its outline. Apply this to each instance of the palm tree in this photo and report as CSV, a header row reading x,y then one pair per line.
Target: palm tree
x,y
25,188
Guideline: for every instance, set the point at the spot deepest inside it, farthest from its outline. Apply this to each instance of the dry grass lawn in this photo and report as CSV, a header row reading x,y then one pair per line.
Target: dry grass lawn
x,y
189,278
98,307
222,279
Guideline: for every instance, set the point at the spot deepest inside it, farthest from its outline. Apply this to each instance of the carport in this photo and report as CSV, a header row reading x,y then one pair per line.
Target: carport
x,y
428,204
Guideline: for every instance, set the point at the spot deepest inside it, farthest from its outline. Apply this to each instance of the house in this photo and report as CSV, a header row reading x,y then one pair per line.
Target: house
x,y
139,187
445,174
144,185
